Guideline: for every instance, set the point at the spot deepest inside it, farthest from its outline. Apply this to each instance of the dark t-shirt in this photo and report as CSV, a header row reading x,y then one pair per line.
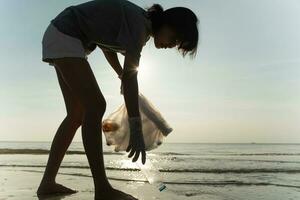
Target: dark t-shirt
x,y
112,25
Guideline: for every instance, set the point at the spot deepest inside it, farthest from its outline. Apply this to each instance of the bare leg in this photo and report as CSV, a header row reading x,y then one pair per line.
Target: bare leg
x,y
61,142
78,75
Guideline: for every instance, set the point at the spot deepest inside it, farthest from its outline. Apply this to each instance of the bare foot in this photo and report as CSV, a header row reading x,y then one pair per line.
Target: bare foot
x,y
115,195
54,189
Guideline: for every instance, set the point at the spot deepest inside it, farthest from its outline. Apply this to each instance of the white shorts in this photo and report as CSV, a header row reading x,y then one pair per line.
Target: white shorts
x,y
58,45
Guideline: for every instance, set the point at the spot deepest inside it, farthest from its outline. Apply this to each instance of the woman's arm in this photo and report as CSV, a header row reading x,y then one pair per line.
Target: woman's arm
x,y
129,80
130,86
113,60
130,89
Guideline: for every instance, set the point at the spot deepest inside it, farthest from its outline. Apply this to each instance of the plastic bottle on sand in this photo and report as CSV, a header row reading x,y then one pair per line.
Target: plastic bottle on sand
x,y
152,174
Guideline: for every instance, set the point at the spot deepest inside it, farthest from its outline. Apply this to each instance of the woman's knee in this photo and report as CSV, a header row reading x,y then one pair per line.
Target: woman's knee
x,y
94,107
97,109
75,116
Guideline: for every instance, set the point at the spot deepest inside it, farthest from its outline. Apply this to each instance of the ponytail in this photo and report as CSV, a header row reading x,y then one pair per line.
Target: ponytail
x,y
156,15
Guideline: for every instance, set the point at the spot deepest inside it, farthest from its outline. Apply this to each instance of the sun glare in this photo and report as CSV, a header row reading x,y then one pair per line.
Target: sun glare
x,y
127,163
145,69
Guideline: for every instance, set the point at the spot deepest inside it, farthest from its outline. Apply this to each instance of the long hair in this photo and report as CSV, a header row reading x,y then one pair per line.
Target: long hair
x,y
180,19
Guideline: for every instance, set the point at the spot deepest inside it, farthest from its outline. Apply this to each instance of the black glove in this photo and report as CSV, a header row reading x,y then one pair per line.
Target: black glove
x,y
136,140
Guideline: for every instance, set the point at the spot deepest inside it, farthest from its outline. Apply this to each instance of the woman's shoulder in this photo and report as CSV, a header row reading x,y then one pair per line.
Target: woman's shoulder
x,y
139,24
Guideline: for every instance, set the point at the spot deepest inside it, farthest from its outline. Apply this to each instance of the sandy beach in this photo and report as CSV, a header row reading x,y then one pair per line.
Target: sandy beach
x,y
21,183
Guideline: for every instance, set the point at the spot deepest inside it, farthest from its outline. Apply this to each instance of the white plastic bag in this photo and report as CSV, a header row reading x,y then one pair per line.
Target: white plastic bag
x,y
116,126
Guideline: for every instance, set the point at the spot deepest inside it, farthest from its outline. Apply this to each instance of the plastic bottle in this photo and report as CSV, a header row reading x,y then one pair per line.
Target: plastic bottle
x,y
152,174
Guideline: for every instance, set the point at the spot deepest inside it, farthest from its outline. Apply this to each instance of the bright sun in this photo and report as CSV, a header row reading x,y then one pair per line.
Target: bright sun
x,y
144,69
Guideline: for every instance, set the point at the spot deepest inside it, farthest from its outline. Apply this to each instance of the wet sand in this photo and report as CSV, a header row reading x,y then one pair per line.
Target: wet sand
x,y
21,183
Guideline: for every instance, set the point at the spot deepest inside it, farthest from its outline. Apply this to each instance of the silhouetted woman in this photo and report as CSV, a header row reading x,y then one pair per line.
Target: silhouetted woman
x,y
115,26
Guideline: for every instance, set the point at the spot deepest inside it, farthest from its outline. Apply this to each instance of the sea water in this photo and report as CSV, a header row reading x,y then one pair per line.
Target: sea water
x,y
190,171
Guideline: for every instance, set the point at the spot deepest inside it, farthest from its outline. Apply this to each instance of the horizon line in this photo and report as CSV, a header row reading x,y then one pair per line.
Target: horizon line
x,y
172,142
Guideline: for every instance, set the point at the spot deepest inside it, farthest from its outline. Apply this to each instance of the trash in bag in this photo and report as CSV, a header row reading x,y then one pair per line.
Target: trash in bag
x,y
117,132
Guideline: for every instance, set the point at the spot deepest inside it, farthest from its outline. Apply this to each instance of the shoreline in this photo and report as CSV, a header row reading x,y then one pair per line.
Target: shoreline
x,y
22,184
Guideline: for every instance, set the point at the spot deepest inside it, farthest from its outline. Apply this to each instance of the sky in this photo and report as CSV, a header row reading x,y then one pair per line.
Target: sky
x,y
243,86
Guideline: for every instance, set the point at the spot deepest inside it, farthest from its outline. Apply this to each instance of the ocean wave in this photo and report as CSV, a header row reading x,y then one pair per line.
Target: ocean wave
x,y
173,153
240,160
261,154
216,171
78,152
211,183
72,152
45,151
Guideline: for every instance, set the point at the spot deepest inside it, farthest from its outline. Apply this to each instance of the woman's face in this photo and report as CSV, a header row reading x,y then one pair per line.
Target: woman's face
x,y
165,38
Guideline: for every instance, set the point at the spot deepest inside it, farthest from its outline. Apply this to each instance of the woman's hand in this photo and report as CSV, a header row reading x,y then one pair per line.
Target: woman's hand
x,y
136,140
